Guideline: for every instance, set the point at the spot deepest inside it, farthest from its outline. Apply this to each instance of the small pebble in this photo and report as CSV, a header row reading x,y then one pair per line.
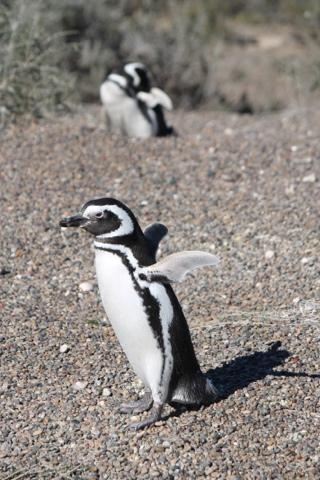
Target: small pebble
x,y
4,271
79,385
309,178
86,287
106,392
64,348
304,260
269,254
290,190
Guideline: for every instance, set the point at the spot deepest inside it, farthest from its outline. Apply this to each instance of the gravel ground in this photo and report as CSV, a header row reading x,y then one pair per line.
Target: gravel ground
x,y
246,188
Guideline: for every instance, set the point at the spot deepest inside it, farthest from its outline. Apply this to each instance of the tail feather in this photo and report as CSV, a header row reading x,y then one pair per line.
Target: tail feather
x,y
195,389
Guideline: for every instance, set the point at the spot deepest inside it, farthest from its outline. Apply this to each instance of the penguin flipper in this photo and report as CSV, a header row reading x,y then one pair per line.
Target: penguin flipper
x,y
155,97
175,267
154,234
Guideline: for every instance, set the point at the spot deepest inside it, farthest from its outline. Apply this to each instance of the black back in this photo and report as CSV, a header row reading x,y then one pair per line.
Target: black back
x,y
163,128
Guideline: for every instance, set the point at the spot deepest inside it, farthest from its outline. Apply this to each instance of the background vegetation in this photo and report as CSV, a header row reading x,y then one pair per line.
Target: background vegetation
x,y
54,50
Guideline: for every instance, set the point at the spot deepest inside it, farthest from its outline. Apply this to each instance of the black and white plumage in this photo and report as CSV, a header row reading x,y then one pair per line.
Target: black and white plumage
x,y
142,307
131,106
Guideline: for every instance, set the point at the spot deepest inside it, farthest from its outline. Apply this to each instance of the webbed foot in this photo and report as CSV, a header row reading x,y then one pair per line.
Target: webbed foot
x,y
139,406
154,417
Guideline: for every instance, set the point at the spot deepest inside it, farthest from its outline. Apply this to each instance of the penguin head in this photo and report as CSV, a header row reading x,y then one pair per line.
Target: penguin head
x,y
104,218
115,86
138,76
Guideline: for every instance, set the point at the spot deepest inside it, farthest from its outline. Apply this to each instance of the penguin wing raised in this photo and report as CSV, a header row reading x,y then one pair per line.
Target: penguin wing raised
x,y
156,97
154,234
175,267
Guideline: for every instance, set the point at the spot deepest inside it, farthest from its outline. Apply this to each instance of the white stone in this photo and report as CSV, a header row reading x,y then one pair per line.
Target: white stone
x,y
309,178
290,190
294,148
64,348
304,260
106,392
105,321
86,287
79,385
269,254
228,131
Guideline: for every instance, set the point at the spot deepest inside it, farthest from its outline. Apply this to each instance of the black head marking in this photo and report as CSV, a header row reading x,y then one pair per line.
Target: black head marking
x,y
144,85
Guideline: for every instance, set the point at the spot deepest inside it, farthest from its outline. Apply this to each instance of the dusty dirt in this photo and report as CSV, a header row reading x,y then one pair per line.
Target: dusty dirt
x,y
271,66
245,188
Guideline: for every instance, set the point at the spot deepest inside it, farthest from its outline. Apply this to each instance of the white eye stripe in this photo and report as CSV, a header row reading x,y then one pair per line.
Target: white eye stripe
x,y
130,69
126,227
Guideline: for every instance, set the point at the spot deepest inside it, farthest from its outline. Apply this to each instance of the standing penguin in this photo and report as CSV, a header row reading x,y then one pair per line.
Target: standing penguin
x,y
142,307
127,111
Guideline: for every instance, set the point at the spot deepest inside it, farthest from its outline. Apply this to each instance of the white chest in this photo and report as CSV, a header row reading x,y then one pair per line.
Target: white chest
x,y
127,313
124,113
136,124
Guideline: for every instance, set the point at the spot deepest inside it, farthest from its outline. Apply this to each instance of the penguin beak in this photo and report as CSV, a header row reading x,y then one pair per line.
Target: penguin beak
x,y
75,221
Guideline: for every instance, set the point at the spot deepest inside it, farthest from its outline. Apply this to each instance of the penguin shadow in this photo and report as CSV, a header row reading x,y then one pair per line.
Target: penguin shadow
x,y
242,371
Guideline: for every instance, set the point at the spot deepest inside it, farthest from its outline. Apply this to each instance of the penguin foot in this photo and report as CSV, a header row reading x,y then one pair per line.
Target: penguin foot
x,y
154,417
141,405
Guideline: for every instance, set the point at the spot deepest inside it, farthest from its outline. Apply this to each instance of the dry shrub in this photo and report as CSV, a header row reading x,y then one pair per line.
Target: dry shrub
x,y
175,38
32,77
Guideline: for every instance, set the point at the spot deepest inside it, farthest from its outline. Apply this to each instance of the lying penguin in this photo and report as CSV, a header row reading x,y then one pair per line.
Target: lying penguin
x,y
131,106
142,307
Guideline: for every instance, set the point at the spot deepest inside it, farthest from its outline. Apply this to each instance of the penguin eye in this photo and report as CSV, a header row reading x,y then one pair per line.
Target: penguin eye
x,y
99,215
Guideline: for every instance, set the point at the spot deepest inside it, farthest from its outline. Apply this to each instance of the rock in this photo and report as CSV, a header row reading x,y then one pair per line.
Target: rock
x,y
290,190
79,385
309,178
105,321
86,287
106,392
269,254
304,260
64,348
4,271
